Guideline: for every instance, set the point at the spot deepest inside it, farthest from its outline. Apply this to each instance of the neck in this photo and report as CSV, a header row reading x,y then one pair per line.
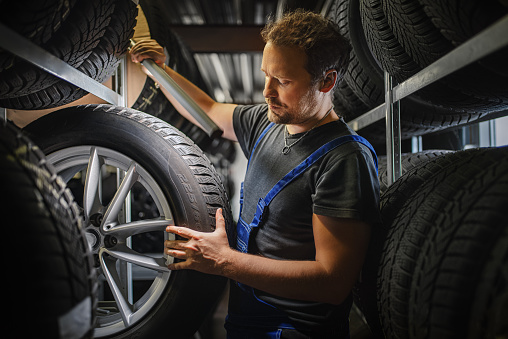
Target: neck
x,y
324,117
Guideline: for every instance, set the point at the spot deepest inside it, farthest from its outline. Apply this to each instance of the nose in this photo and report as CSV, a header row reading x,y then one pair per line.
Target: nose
x,y
269,91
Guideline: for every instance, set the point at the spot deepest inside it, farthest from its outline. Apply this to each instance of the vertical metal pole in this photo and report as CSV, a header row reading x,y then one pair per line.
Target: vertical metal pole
x,y
125,269
393,149
3,114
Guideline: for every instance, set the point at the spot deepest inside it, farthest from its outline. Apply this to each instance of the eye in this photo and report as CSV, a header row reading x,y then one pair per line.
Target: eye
x,y
283,82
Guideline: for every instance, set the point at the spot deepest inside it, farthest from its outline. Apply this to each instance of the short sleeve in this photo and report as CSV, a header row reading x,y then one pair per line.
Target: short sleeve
x,y
248,122
349,187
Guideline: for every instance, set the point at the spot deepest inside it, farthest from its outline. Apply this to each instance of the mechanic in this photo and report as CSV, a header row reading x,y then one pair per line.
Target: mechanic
x,y
310,195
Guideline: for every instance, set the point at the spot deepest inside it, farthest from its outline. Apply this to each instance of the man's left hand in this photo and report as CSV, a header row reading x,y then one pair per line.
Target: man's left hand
x,y
200,251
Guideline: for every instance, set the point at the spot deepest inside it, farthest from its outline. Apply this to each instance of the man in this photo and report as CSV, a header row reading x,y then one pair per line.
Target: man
x,y
301,241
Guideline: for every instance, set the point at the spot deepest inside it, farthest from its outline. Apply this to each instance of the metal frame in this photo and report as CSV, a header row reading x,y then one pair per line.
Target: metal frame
x,y
25,49
486,42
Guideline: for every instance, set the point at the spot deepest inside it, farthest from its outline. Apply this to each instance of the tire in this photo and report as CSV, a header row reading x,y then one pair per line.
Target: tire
x,y
52,279
91,36
397,264
175,176
409,161
376,294
411,228
404,40
362,87
461,262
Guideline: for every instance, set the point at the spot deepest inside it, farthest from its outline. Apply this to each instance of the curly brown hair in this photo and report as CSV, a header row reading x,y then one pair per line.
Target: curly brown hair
x,y
319,37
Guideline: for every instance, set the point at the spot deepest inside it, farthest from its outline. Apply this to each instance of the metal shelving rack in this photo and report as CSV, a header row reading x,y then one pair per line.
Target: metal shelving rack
x,y
486,42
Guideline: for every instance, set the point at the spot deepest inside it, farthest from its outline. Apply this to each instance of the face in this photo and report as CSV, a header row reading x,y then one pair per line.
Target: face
x,y
291,97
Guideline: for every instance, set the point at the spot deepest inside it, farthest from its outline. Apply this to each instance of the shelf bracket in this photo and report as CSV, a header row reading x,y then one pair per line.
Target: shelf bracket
x,y
393,147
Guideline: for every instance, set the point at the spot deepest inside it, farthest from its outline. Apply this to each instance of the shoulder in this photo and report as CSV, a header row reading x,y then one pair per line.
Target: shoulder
x,y
249,121
345,143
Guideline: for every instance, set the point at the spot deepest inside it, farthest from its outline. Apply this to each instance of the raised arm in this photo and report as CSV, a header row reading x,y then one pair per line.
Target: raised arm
x,y
220,113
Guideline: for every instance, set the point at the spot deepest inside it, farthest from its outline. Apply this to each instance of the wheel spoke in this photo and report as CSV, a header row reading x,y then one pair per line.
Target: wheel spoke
x,y
109,270
123,231
111,215
124,253
91,196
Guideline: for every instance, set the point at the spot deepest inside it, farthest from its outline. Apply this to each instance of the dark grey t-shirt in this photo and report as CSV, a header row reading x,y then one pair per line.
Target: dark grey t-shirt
x,y
341,184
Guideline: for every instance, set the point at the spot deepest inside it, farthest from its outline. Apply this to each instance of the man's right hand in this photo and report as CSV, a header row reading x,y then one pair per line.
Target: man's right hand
x,y
148,49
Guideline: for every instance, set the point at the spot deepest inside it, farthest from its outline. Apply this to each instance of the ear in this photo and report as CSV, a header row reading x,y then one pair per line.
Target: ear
x,y
329,81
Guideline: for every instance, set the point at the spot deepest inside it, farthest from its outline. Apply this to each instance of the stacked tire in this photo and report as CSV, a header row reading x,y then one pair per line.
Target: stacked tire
x,y
405,36
50,278
438,266
90,36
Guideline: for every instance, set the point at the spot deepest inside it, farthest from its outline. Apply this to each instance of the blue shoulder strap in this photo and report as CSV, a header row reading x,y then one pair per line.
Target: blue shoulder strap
x,y
303,166
259,139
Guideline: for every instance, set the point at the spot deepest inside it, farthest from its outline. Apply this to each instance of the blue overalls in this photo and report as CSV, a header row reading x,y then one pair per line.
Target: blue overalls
x,y
273,321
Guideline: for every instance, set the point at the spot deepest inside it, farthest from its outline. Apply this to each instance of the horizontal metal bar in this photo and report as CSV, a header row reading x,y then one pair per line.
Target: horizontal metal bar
x,y
484,43
368,118
25,49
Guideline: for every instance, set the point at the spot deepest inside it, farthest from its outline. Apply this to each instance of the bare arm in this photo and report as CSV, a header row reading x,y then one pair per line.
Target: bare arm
x,y
341,245
220,113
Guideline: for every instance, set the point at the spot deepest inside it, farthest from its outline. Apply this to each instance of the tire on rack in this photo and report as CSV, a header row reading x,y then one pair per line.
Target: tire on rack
x,y
409,161
413,226
175,176
52,280
383,258
362,87
90,36
402,36
461,264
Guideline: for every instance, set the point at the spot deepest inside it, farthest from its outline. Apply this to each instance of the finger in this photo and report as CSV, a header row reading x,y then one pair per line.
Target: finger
x,y
175,244
220,223
176,253
141,51
179,265
140,55
184,232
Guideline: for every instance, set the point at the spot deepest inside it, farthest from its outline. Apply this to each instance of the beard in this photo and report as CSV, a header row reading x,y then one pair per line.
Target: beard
x,y
292,115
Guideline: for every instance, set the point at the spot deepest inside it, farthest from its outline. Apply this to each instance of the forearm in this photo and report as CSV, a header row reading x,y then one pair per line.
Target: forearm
x,y
341,245
302,280
202,99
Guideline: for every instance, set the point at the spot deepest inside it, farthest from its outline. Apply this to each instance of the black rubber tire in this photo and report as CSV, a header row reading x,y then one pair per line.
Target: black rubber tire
x,y
362,87
442,26
91,36
404,40
460,259
52,280
408,161
189,183
386,238
38,23
401,215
